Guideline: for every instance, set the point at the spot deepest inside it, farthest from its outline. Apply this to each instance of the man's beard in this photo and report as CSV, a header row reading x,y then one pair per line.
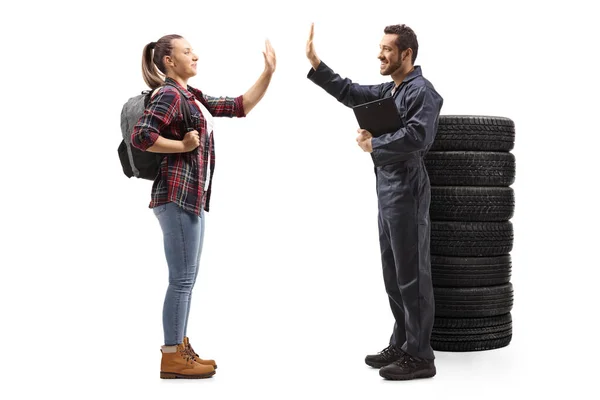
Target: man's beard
x,y
392,67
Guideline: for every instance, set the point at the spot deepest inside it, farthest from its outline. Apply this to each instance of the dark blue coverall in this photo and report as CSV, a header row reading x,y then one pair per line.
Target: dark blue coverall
x,y
404,194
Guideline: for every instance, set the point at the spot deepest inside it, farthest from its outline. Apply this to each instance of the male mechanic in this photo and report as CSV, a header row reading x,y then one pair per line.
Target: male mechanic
x,y
403,193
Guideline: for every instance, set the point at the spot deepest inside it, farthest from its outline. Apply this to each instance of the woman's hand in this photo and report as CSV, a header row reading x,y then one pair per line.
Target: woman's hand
x,y
270,59
191,140
257,91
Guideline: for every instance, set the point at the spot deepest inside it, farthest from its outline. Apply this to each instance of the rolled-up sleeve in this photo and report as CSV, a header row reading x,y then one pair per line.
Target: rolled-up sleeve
x,y
160,112
225,106
423,108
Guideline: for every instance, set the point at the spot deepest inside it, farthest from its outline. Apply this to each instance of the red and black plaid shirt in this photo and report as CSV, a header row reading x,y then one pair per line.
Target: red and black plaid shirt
x,y
182,176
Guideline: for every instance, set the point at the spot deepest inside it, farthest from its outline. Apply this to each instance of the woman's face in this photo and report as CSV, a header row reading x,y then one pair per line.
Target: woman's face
x,y
182,61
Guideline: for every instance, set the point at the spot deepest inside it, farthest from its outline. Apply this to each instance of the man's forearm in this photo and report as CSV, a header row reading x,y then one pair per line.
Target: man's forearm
x,y
315,61
343,89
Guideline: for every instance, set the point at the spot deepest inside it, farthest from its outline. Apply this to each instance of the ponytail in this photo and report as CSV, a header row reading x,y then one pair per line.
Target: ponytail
x,y
153,68
151,74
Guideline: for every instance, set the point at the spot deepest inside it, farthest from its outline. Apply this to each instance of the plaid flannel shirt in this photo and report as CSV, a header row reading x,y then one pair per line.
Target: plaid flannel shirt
x,y
182,176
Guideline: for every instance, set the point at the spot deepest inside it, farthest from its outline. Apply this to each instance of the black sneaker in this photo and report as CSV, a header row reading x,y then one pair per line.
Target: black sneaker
x,y
408,367
384,357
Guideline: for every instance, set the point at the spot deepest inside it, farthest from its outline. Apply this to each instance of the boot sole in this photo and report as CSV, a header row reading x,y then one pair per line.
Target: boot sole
x,y
376,364
405,377
172,375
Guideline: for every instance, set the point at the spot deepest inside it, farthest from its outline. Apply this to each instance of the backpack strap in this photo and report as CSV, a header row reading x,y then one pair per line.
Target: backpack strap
x,y
184,107
187,124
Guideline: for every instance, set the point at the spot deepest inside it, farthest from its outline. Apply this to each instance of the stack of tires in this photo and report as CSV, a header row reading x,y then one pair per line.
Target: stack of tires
x,y
470,167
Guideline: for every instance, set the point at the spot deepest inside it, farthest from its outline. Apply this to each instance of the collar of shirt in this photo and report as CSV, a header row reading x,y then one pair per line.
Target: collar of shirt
x,y
412,75
190,93
186,91
415,72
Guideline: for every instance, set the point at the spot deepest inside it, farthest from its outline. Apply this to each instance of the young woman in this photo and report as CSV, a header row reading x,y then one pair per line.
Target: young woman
x,y
181,191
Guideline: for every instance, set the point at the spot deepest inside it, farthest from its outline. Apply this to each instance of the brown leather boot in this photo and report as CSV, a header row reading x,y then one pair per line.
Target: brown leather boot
x,y
178,362
186,342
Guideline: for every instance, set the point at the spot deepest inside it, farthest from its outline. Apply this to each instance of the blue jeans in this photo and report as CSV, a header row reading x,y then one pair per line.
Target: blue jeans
x,y
183,235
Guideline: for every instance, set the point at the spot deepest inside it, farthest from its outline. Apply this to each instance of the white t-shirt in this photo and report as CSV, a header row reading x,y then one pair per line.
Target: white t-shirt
x,y
209,128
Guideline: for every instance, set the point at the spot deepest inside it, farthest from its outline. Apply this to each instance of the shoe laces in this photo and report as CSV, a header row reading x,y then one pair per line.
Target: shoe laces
x,y
192,352
187,355
391,351
407,360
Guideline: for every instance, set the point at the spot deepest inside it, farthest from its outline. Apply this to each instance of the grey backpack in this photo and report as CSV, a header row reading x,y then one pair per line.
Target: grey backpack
x,y
135,162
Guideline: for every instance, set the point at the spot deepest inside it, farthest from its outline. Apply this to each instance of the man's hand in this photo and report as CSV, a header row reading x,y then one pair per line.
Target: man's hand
x,y
270,59
310,49
364,140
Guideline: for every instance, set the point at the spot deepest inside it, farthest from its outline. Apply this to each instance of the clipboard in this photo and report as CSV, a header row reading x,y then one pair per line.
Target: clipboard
x,y
379,116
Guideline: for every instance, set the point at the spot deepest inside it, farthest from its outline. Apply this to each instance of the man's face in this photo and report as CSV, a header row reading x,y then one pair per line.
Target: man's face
x,y
183,59
389,55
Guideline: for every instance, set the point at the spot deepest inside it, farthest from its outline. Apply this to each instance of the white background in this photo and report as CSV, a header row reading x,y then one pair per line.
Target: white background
x,y
290,296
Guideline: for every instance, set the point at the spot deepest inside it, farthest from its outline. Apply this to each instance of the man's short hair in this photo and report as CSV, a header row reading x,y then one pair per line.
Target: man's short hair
x,y
406,38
